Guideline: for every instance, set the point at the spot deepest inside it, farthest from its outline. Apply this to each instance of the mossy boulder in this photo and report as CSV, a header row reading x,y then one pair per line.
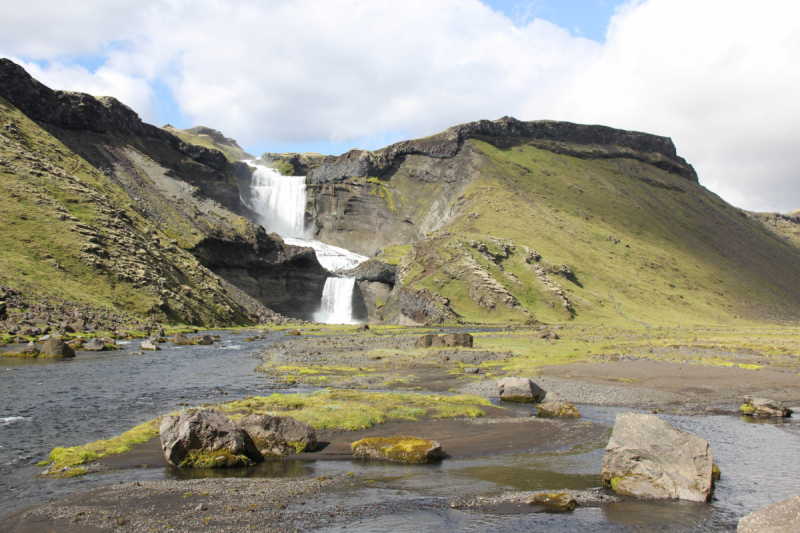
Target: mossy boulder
x,y
557,410
206,439
95,345
28,350
559,502
764,408
412,450
181,340
203,340
293,333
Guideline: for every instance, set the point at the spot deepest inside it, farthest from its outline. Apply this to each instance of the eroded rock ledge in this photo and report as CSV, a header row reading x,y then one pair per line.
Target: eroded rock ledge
x,y
578,140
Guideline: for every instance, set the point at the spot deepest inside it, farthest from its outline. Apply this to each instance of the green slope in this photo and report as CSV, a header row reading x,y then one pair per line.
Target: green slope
x,y
644,245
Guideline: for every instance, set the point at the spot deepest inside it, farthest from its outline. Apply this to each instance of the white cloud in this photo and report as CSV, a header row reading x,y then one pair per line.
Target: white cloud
x,y
718,77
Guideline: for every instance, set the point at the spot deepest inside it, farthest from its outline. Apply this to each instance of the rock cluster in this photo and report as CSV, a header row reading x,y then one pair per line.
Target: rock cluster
x,y
210,439
648,457
450,340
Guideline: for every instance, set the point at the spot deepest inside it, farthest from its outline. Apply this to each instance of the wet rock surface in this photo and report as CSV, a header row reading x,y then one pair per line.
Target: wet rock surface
x,y
779,517
764,408
279,435
557,410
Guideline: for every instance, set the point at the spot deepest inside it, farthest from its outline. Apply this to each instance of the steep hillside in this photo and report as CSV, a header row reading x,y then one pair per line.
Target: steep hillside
x,y
786,226
514,221
106,210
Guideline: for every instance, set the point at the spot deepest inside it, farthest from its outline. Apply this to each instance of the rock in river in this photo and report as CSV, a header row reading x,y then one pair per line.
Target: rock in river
x,y
453,340
279,435
399,449
55,348
764,408
648,457
203,340
561,502
180,340
206,439
149,344
557,410
520,390
779,517
94,345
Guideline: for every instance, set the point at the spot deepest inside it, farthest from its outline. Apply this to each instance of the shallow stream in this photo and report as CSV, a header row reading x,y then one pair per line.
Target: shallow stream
x,y
96,396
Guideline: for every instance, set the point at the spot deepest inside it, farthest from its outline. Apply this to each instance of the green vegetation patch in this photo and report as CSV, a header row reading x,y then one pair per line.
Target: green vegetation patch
x,y
405,449
215,459
78,455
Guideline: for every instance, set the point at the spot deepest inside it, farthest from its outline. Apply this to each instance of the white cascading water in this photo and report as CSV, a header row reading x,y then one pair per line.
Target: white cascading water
x,y
280,201
337,302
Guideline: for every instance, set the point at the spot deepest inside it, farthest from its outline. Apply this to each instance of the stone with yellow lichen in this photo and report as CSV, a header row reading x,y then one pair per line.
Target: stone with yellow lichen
x,y
404,449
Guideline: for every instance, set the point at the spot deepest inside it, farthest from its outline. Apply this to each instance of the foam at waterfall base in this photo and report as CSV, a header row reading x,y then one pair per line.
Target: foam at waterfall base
x,y
331,257
337,302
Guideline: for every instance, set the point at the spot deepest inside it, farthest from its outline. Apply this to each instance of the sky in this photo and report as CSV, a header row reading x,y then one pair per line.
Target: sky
x,y
720,77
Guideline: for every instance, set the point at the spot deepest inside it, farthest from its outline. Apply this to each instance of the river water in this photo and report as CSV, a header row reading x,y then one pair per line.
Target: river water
x,y
96,396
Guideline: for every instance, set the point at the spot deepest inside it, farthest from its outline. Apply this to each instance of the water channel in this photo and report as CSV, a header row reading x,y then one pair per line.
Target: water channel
x,y
96,396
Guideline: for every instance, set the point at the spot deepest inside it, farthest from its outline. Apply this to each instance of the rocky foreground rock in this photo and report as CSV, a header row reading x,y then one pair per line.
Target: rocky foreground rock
x,y
206,439
279,435
779,517
647,457
405,449
560,502
520,390
764,408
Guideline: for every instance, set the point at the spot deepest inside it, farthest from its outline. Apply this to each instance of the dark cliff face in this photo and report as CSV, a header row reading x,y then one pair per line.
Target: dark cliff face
x,y
604,142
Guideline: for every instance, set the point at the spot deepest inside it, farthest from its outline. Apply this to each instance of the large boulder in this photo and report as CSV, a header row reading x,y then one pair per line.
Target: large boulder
x,y
411,450
557,410
29,349
279,435
648,457
520,390
764,408
779,517
54,347
454,340
206,439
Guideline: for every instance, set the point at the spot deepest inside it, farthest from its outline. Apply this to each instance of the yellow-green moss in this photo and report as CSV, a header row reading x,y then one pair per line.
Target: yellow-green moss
x,y
215,459
403,449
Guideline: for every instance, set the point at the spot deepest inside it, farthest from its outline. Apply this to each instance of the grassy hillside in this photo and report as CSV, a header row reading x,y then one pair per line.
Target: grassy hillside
x,y
214,141
71,232
642,245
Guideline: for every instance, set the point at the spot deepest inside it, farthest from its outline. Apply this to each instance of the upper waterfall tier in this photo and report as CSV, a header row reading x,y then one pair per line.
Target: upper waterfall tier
x,y
280,201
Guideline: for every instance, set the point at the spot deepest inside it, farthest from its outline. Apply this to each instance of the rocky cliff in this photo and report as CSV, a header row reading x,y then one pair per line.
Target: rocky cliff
x,y
545,221
134,211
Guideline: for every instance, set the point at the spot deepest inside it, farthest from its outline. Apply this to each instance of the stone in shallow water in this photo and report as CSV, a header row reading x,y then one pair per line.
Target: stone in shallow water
x,y
648,457
94,345
55,348
520,390
203,340
149,345
764,408
560,502
404,449
557,410
779,517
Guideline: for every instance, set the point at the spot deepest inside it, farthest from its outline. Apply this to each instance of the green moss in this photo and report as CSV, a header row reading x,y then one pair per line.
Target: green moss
x,y
78,455
286,169
215,459
398,449
716,473
747,408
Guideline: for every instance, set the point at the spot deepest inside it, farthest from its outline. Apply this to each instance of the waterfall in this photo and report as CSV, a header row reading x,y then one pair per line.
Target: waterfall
x,y
280,201
337,302
331,257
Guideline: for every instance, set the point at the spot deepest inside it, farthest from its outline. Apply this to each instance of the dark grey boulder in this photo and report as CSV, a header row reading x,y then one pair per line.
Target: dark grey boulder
x,y
55,348
279,435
